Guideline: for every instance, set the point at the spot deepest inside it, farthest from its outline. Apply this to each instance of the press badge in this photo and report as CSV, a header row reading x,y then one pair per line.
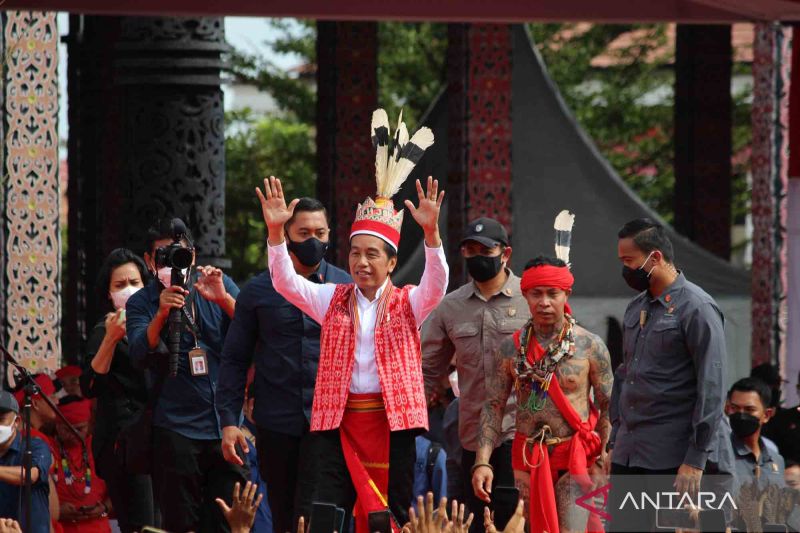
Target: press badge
x,y
198,362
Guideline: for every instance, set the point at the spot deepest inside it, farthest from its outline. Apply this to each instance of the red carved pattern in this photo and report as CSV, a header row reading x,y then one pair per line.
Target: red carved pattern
x,y
770,173
489,126
356,98
479,131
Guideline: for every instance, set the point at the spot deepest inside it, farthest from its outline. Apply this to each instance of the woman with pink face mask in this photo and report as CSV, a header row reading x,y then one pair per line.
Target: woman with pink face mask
x,y
120,388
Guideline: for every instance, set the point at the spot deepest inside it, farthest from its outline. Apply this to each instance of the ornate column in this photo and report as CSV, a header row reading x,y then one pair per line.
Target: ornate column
x,y
703,109
479,133
347,94
790,366
171,140
31,246
771,66
95,224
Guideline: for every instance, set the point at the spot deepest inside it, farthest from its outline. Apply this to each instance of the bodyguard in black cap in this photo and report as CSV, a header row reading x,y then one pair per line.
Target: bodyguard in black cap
x,y
469,326
11,475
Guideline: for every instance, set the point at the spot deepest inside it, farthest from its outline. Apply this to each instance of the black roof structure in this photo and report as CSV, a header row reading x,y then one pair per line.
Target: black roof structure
x,y
557,166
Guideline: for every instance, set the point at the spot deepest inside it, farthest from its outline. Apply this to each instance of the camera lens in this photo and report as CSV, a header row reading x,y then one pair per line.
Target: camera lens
x,y
181,257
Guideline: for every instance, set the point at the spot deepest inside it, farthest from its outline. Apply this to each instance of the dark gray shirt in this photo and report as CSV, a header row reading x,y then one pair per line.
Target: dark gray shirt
x,y
669,391
767,469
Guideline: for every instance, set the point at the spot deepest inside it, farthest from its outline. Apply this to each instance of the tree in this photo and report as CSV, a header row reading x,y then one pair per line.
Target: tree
x,y
627,104
411,73
257,148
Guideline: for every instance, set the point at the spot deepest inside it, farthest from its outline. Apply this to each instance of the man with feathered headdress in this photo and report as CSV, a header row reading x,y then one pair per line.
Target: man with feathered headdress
x,y
553,365
369,399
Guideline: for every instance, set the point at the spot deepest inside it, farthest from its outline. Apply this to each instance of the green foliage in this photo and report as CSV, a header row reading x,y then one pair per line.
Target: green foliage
x,y
627,106
256,148
411,73
411,68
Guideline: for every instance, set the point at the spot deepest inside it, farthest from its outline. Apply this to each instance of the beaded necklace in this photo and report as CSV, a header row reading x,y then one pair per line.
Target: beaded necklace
x,y
69,477
536,378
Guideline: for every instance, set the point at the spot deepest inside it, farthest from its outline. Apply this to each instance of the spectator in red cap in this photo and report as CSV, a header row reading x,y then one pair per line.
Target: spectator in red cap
x,y
69,376
42,416
43,426
83,496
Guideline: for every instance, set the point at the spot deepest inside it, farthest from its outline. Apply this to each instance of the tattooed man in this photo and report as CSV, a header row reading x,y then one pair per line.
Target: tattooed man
x,y
563,379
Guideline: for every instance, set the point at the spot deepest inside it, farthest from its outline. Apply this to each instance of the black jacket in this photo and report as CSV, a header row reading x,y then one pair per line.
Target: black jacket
x,y
121,394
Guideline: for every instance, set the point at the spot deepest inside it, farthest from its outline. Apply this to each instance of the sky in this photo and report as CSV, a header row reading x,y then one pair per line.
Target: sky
x,y
248,34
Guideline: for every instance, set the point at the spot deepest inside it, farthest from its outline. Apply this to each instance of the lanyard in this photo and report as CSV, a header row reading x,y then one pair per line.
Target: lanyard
x,y
191,325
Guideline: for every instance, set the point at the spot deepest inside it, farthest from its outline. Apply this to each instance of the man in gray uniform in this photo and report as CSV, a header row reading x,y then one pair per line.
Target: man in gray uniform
x,y
469,325
669,392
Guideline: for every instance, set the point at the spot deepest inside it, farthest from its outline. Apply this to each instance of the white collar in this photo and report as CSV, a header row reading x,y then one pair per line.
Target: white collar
x,y
378,293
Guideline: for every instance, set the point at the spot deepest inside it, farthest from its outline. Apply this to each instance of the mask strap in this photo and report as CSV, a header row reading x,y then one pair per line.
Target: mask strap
x,y
645,262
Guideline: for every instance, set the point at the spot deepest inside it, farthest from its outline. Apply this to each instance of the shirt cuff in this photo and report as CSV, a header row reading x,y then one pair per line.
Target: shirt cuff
x,y
277,250
696,458
226,418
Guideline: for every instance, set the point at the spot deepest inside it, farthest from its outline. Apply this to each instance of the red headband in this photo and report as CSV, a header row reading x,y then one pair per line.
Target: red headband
x,y
77,412
548,276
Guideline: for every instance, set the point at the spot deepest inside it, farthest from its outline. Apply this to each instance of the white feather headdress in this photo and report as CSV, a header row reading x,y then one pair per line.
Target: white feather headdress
x,y
395,157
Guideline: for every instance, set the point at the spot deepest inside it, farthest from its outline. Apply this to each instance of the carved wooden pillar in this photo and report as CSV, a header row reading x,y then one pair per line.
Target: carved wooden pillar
x,y
172,129
347,94
29,203
703,108
479,134
771,66
96,204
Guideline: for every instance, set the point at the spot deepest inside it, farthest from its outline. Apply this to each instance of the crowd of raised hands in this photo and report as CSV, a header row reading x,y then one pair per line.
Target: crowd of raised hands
x,y
426,519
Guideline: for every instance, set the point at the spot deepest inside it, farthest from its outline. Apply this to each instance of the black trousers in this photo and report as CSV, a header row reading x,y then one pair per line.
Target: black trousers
x,y
334,484
503,477
131,495
190,474
630,481
287,464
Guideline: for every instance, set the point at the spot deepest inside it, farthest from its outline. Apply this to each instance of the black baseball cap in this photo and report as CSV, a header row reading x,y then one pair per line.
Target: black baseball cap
x,y
486,231
8,402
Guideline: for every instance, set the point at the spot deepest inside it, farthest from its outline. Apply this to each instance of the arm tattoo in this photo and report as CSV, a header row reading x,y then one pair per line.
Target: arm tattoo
x,y
498,389
602,379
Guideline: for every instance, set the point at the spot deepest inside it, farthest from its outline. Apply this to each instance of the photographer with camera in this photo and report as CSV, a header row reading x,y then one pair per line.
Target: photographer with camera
x,y
177,325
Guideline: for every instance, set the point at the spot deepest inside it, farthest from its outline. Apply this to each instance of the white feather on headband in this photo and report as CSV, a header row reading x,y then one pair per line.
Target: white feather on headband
x,y
393,167
563,226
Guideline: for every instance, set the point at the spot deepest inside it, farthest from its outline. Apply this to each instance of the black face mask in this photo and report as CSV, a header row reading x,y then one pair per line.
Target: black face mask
x,y
483,268
309,252
743,424
637,279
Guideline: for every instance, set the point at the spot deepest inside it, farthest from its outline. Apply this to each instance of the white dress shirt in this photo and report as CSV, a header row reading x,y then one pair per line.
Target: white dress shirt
x,y
314,300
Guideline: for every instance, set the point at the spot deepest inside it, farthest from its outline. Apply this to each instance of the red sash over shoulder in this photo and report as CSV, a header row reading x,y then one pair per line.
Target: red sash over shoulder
x,y
397,356
574,456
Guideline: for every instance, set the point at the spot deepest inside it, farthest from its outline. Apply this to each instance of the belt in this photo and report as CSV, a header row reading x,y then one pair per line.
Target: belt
x,y
541,438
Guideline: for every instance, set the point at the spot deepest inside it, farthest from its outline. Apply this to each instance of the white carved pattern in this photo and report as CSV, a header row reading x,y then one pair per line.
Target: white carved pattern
x,y
33,262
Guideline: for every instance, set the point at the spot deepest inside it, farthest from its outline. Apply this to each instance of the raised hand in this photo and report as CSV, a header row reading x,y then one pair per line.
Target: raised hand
x,y
115,325
274,209
458,522
515,525
210,284
427,213
242,513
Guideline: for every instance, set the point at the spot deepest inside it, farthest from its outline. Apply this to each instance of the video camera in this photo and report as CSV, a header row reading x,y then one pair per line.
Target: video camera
x,y
177,257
